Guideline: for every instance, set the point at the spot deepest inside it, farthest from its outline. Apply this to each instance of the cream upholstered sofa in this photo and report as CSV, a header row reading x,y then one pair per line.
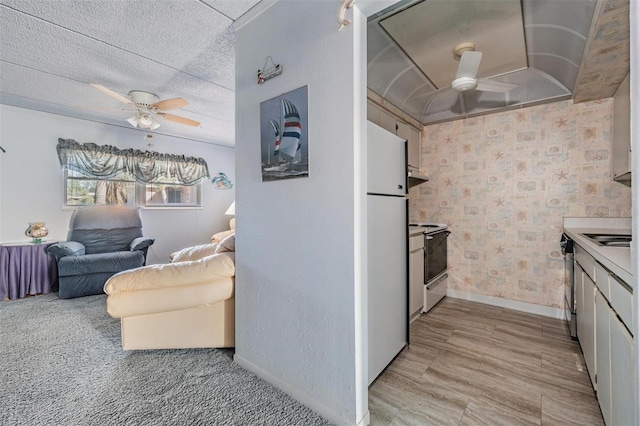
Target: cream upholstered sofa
x,y
188,303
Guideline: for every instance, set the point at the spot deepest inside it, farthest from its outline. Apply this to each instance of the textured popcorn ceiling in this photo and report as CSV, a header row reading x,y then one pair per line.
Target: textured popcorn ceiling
x,y
51,50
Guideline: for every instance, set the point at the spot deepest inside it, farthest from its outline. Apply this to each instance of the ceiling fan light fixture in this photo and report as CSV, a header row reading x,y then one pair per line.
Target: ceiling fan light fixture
x,y
134,121
148,106
146,120
459,49
143,121
462,84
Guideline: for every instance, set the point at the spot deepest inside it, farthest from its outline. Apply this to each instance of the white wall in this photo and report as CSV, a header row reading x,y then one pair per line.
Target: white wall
x,y
31,183
299,259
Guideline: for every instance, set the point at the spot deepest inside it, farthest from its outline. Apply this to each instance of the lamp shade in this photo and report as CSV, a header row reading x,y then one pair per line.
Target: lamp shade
x,y
145,120
134,121
231,211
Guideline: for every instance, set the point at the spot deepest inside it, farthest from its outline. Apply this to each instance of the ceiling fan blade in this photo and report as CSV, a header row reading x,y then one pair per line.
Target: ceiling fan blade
x,y
113,94
168,104
469,64
178,119
461,102
487,85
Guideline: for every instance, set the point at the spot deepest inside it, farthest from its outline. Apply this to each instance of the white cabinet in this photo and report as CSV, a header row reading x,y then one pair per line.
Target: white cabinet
x,y
604,314
603,308
622,300
622,373
416,274
586,309
588,340
413,144
621,161
578,273
374,114
389,122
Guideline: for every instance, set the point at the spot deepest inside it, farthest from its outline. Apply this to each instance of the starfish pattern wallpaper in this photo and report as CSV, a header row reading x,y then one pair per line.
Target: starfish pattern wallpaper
x,y
503,182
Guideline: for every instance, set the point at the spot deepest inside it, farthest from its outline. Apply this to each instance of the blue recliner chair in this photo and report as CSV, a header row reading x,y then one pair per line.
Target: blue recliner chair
x,y
102,241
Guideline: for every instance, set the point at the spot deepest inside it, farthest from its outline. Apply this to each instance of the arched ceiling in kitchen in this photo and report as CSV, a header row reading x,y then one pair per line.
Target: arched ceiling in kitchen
x,y
550,49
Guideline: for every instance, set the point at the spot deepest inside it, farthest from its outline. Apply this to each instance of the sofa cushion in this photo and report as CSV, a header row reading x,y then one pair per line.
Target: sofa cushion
x,y
228,244
169,299
193,253
105,240
141,243
172,274
216,238
68,248
97,263
82,285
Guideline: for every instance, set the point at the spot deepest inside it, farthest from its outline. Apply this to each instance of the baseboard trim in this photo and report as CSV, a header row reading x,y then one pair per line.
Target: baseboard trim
x,y
516,305
300,396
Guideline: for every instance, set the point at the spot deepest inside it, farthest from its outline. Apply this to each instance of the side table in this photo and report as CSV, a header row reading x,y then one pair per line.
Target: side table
x,y
26,269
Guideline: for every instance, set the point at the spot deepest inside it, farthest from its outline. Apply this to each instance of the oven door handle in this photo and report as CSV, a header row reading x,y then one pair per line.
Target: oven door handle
x,y
430,237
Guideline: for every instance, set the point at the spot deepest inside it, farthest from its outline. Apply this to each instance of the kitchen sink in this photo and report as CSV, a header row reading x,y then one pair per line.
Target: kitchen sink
x,y
610,240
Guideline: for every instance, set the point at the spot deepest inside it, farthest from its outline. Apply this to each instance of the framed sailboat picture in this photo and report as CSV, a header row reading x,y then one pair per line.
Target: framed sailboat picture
x,y
284,136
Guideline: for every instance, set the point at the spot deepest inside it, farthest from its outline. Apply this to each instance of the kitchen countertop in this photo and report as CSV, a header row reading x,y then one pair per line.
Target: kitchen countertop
x,y
616,259
415,230
421,228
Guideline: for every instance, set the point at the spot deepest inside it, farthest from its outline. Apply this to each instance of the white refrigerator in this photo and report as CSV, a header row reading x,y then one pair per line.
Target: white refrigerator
x,y
387,247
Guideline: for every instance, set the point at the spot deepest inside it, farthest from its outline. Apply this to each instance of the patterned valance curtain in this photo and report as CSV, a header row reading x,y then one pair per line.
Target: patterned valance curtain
x,y
107,162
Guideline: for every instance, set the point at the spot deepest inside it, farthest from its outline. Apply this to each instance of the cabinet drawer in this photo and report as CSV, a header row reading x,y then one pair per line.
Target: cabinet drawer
x,y
586,261
434,292
416,242
602,280
622,300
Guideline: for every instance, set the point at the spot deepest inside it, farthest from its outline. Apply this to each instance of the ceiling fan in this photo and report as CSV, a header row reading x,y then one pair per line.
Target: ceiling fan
x,y
467,74
147,106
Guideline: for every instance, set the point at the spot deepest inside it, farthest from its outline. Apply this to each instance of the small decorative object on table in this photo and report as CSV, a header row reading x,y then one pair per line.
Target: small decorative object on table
x,y
37,232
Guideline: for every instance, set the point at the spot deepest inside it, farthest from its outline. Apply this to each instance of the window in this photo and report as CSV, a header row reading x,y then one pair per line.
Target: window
x,y
106,175
168,194
84,190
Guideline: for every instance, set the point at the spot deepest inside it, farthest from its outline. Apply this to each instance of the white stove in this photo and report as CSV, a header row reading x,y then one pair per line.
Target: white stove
x,y
434,247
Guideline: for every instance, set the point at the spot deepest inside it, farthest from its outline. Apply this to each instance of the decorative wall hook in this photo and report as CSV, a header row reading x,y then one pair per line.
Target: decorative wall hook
x,y
346,4
268,73
2,149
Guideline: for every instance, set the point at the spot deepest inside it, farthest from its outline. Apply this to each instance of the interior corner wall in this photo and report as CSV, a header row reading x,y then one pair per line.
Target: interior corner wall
x,y
298,248
31,179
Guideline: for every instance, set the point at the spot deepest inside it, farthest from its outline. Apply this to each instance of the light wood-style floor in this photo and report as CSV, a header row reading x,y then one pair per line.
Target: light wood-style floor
x,y
475,364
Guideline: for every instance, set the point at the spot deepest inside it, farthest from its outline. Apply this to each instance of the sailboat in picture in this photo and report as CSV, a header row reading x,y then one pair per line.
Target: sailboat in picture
x,y
276,151
290,145
286,160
